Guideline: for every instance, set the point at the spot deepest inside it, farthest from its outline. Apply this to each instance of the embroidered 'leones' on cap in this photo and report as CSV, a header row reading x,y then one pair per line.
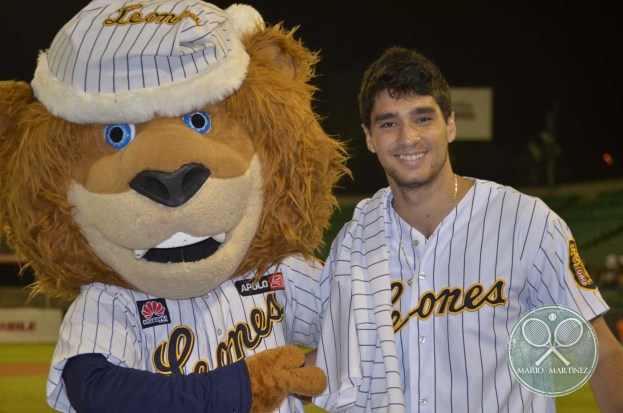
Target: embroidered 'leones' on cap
x,y
129,61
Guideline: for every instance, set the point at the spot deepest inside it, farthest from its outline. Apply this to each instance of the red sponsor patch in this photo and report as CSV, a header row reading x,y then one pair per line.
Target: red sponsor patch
x,y
276,281
578,270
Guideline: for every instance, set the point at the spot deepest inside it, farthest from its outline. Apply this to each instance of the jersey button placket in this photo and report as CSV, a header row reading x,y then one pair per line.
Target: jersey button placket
x,y
418,254
424,330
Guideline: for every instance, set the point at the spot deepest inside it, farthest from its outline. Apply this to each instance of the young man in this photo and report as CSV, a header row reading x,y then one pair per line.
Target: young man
x,y
424,286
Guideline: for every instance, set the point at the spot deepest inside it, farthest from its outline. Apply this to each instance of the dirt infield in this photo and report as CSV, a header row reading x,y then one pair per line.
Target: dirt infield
x,y
24,369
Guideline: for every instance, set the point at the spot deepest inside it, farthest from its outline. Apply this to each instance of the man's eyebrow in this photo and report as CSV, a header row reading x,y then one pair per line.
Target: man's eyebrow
x,y
384,116
423,110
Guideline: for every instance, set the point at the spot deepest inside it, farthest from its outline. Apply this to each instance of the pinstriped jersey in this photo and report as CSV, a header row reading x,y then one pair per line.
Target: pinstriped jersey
x,y
235,320
456,297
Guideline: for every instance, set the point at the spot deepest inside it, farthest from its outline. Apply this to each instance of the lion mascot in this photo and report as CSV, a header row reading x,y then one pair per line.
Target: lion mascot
x,y
165,171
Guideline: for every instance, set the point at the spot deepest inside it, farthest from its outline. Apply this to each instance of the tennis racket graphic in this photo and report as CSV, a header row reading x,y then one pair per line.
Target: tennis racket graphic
x,y
538,334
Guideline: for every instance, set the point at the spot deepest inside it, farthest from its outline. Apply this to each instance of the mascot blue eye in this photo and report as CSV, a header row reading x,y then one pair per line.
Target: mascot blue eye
x,y
198,121
119,135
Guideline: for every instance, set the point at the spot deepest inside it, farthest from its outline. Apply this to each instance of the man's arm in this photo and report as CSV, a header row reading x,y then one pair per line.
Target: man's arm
x,y
607,379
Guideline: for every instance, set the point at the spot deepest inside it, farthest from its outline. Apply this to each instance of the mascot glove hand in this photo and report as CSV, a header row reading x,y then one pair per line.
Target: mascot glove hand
x,y
276,372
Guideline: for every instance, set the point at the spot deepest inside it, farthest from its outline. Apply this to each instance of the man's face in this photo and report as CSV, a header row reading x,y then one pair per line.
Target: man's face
x,y
410,137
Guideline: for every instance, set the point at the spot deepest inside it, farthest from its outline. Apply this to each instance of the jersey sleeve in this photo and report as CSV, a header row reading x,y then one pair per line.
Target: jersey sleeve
x,y
98,321
339,353
556,272
303,307
95,385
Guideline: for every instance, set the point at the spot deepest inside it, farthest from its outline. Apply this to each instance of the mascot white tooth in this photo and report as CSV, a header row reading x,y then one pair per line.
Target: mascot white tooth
x,y
165,170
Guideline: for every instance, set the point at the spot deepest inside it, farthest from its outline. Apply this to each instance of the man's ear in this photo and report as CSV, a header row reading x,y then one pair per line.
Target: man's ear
x,y
369,141
451,128
14,97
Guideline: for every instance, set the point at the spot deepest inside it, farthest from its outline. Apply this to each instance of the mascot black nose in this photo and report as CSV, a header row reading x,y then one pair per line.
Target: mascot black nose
x,y
171,188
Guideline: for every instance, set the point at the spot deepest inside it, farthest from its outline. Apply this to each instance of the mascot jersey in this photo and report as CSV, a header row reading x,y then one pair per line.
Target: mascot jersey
x,y
166,171
239,318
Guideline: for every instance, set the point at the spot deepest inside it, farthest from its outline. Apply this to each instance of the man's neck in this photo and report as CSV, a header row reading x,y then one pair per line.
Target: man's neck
x,y
426,206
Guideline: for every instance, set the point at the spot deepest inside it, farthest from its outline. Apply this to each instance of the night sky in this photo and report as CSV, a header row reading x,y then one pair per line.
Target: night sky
x,y
540,58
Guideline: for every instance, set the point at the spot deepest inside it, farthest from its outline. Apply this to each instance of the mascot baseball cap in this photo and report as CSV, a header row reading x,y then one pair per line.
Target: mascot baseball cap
x,y
127,61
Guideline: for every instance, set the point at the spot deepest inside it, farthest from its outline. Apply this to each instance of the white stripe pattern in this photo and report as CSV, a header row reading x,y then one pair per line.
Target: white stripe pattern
x,y
105,319
127,61
455,360
107,58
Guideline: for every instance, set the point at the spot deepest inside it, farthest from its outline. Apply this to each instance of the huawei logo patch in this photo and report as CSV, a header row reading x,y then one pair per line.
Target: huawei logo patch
x,y
152,309
153,312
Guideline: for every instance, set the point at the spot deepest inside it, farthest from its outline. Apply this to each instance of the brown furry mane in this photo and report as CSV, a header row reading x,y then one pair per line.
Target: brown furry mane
x,y
40,153
301,163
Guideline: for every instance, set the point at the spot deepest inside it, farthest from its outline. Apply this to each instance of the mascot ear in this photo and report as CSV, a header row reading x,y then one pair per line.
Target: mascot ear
x,y
284,62
14,97
287,55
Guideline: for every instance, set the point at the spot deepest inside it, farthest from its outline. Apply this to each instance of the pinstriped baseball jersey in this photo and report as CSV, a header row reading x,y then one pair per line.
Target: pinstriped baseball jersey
x,y
235,320
455,299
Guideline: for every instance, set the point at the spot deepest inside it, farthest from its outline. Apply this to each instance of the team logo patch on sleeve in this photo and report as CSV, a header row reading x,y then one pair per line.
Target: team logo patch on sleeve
x,y
153,312
267,283
577,268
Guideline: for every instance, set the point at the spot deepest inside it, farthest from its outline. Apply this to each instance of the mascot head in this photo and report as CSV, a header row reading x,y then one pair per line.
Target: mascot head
x,y
164,146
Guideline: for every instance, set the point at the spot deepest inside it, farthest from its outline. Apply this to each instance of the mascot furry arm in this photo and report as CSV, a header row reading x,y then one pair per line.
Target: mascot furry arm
x,y
166,172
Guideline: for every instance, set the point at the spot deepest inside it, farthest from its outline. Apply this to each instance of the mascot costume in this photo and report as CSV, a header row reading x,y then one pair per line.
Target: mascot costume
x,y
165,170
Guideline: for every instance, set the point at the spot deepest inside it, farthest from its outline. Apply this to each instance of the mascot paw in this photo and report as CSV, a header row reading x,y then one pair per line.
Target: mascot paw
x,y
276,372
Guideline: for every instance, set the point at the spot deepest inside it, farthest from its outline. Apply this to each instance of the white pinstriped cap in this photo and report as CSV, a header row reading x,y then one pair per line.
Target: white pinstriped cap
x,y
128,61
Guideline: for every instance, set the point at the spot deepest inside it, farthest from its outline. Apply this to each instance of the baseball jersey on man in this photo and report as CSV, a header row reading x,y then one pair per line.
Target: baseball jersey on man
x,y
235,320
454,300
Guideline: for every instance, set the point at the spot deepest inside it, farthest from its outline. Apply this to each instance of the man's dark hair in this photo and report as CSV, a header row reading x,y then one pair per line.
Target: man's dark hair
x,y
403,72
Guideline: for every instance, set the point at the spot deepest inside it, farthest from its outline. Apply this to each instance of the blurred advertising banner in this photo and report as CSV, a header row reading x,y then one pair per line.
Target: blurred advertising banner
x,y
473,113
29,325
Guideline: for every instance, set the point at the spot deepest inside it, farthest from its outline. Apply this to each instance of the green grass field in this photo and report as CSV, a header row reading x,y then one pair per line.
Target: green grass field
x,y
26,394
